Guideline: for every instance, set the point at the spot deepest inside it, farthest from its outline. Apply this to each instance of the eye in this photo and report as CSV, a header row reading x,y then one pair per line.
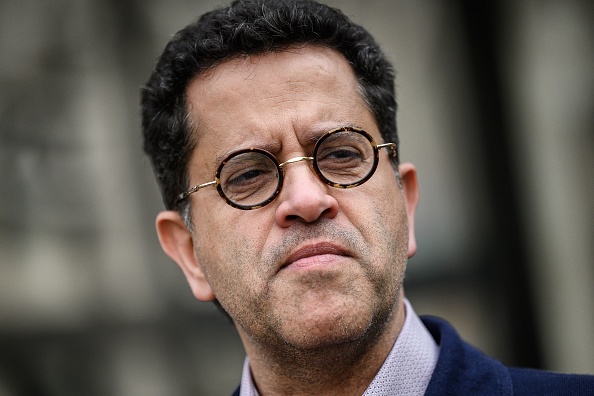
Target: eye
x,y
344,157
246,177
340,157
341,153
249,178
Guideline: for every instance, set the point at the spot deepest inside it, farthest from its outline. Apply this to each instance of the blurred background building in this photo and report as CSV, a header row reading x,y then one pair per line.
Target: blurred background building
x,y
496,109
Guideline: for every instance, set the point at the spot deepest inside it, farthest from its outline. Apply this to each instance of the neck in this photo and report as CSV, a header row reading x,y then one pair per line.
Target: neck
x,y
349,366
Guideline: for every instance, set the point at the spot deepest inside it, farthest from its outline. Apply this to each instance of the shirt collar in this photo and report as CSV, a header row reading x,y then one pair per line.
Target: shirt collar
x,y
406,371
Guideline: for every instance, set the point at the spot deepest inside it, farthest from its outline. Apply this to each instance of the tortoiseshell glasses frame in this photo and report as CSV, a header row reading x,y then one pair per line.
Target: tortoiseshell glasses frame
x,y
251,178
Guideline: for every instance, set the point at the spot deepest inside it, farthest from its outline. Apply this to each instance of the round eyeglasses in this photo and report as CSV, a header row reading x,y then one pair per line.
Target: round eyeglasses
x,y
252,178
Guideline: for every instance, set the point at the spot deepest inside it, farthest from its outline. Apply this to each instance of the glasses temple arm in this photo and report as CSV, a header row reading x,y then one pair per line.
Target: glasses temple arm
x,y
391,146
192,190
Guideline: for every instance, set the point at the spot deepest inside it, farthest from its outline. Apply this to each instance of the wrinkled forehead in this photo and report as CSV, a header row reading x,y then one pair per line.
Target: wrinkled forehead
x,y
254,86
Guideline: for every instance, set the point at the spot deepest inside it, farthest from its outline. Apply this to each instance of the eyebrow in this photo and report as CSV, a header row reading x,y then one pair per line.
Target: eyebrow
x,y
308,138
271,147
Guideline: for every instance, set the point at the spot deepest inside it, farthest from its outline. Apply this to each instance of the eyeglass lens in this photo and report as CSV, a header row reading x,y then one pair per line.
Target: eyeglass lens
x,y
343,158
249,178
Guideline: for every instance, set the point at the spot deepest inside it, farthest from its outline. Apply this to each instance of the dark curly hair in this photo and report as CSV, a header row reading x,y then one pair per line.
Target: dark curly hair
x,y
250,27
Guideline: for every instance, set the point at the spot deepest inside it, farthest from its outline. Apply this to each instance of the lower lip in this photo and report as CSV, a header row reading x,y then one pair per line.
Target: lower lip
x,y
320,260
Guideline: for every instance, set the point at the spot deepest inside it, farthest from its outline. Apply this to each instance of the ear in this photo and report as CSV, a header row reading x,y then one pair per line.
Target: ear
x,y
176,241
410,192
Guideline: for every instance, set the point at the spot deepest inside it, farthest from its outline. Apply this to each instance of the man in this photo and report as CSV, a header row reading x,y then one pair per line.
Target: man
x,y
271,129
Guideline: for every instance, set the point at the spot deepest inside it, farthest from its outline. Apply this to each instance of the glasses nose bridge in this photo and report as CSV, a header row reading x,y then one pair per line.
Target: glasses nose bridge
x,y
294,160
309,160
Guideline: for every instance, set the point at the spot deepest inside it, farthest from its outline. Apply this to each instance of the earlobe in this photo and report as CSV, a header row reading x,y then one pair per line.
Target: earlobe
x,y
176,241
410,192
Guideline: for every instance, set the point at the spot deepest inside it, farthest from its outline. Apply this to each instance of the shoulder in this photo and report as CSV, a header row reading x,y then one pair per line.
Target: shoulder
x,y
538,382
463,369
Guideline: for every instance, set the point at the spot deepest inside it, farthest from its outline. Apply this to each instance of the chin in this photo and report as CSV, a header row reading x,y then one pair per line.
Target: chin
x,y
334,328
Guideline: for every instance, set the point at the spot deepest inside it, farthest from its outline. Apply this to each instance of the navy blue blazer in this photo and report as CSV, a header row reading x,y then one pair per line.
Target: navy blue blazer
x,y
462,369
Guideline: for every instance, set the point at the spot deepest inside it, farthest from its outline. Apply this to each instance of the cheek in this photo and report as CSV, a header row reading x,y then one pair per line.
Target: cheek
x,y
379,200
228,246
380,215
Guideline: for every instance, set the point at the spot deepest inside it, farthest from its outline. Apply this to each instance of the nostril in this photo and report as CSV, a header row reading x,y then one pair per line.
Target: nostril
x,y
304,198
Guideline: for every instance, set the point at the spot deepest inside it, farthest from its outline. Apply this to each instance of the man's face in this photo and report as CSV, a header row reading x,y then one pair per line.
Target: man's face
x,y
318,265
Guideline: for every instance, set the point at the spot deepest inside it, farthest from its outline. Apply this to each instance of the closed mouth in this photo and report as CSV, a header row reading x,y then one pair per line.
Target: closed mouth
x,y
314,254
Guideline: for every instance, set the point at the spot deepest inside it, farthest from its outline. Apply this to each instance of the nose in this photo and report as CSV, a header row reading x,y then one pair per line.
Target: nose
x,y
304,197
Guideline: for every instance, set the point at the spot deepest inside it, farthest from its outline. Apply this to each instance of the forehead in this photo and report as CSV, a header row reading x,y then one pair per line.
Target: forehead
x,y
268,98
279,65
286,66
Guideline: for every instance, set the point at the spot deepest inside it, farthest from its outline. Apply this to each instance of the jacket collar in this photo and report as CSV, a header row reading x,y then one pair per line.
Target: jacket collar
x,y
462,369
